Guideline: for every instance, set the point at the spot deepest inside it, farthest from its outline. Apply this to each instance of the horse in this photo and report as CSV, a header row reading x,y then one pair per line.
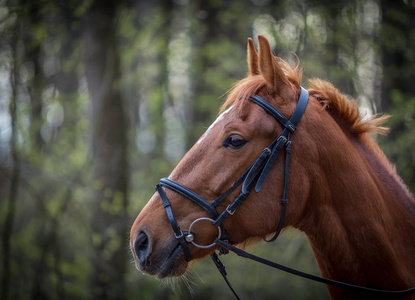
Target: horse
x,y
344,194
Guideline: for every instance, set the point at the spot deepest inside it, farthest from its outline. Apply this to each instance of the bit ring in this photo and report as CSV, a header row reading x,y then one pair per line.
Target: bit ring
x,y
202,246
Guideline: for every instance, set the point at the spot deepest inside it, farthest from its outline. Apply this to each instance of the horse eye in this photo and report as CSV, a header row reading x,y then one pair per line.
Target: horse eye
x,y
234,141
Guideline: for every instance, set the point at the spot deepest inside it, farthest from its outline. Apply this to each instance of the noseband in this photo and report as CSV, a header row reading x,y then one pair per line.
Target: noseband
x,y
254,176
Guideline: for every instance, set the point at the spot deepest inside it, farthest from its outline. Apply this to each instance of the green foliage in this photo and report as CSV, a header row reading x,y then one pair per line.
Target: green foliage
x,y
398,145
177,58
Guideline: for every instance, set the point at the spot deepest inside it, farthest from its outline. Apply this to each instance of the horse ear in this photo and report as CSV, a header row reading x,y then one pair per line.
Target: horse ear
x,y
269,67
252,58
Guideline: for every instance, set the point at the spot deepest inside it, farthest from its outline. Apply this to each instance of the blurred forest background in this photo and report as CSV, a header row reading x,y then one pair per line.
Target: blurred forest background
x,y
99,99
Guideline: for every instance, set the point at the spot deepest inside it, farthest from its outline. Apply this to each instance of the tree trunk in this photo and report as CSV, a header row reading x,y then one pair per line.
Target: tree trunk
x,y
109,147
396,45
33,55
15,176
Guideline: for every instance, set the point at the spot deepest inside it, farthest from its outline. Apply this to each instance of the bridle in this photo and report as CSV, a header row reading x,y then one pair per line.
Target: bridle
x,y
253,177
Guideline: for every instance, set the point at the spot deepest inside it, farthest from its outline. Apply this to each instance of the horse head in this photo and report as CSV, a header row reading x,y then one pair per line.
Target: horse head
x,y
228,148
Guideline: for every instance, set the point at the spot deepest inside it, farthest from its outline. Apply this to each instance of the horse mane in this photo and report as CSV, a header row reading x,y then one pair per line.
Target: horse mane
x,y
345,110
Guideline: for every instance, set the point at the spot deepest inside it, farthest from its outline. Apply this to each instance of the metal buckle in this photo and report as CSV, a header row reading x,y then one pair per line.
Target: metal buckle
x,y
202,246
229,210
180,236
281,137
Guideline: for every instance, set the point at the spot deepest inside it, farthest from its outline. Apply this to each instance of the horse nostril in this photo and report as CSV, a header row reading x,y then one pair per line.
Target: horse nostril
x,y
142,246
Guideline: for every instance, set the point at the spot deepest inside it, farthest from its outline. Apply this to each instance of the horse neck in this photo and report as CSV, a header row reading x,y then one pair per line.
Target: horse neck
x,y
360,217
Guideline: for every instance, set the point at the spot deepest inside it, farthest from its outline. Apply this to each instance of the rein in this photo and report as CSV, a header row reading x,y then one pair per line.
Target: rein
x,y
252,178
286,269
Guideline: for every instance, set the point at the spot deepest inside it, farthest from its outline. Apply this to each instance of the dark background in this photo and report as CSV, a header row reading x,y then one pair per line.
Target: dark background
x,y
99,99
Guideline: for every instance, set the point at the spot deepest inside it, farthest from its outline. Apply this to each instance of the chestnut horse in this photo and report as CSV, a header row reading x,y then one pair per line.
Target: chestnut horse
x,y
343,193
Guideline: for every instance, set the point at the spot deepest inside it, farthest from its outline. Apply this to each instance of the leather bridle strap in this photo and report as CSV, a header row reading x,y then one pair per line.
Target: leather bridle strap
x,y
282,141
284,199
348,286
221,268
189,194
178,233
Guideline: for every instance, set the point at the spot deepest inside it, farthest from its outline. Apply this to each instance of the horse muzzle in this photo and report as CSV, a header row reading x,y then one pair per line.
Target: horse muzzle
x,y
162,262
